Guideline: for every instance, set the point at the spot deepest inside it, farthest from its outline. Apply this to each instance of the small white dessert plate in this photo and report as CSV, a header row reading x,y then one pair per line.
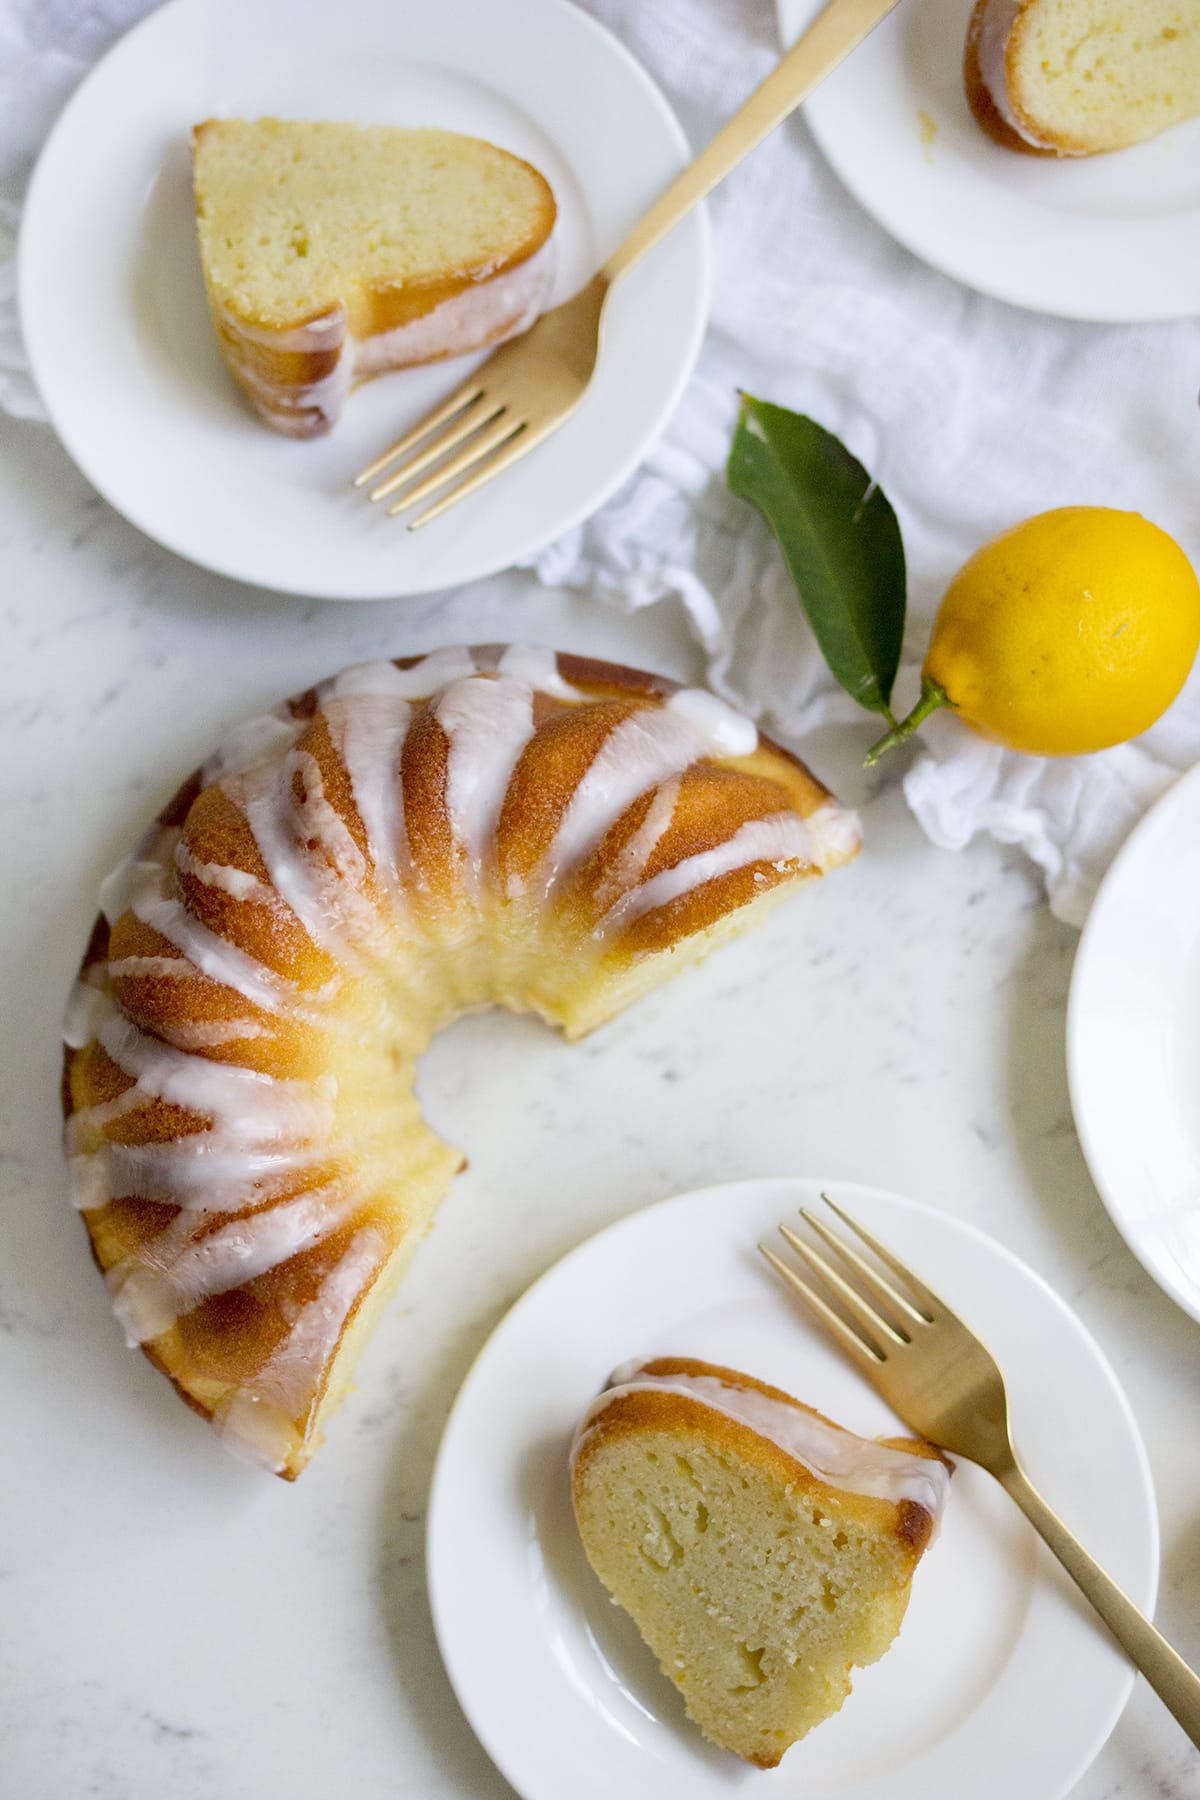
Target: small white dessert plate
x,y
1103,237
116,326
1133,1042
1001,1683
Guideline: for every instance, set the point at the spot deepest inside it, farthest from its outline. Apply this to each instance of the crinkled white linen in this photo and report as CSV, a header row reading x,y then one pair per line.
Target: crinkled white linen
x,y
970,413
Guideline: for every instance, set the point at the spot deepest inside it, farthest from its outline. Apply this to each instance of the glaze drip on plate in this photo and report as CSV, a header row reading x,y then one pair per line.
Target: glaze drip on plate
x,y
474,827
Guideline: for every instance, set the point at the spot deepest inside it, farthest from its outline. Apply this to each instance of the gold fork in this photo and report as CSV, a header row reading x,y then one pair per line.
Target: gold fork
x,y
529,386
933,1371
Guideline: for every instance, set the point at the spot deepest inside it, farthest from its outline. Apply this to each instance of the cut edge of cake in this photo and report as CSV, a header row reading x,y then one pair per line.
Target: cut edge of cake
x,y
1040,101
326,260
741,1565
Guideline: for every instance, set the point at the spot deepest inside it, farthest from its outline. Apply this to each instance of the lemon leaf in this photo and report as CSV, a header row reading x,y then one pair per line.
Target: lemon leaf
x,y
839,537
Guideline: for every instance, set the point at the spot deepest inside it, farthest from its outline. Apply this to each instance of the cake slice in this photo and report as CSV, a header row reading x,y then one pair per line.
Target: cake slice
x,y
335,252
1074,77
761,1550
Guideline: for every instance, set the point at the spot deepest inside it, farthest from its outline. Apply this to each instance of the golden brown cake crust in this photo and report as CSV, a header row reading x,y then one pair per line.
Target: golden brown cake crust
x,y
987,113
646,1409
213,1348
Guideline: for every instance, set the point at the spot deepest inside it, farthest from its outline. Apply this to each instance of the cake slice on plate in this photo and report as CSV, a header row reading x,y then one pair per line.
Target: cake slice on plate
x,y
1074,77
335,252
761,1550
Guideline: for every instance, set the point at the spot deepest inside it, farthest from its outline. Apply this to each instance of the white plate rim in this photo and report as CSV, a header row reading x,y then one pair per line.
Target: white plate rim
x,y
853,1195
1124,868
1138,297
692,238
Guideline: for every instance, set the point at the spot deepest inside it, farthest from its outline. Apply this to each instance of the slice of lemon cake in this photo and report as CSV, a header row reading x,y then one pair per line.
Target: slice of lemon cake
x,y
1074,77
335,252
761,1550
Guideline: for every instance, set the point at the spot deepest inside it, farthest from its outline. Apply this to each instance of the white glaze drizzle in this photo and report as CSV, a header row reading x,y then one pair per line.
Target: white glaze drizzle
x,y
627,869
720,728
185,1034
317,1325
142,886
177,1269
425,677
835,1456
537,667
86,1005
488,311
296,409
239,884
368,732
257,1422
163,968
641,752
86,1122
834,834
205,1171
212,1034
253,1109
781,839
489,721
129,877
485,312
210,954
323,887
254,1430
257,740
88,1178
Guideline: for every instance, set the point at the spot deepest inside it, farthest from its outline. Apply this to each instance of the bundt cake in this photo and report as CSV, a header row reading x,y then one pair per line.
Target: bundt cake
x,y
761,1550
473,827
1075,77
335,252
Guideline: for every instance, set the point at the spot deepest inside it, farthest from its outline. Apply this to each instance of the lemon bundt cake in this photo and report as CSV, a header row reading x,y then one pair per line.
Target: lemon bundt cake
x,y
761,1550
335,252
474,827
1075,77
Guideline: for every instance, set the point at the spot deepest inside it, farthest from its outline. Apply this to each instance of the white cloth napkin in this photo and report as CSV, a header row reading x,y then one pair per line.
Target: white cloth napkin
x,y
971,415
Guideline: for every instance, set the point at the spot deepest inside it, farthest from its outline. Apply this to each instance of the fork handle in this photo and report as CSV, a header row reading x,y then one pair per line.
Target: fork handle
x,y
837,30
1174,1683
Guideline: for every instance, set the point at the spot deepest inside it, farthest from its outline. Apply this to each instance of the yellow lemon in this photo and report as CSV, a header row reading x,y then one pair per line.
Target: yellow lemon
x,y
1070,632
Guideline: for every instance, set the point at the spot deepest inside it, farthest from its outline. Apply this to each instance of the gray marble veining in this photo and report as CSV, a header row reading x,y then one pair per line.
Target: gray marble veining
x,y
172,1624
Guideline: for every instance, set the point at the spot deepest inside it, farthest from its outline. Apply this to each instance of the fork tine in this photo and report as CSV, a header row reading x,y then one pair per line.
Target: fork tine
x,y
485,441
519,445
480,412
867,1355
463,396
890,1295
929,1300
845,1291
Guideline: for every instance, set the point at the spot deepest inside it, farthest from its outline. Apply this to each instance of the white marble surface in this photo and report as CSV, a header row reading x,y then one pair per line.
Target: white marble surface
x,y
173,1624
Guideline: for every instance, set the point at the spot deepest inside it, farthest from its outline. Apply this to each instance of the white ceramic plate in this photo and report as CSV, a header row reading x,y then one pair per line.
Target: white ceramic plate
x,y
1001,1683
1133,1042
112,300
1102,237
